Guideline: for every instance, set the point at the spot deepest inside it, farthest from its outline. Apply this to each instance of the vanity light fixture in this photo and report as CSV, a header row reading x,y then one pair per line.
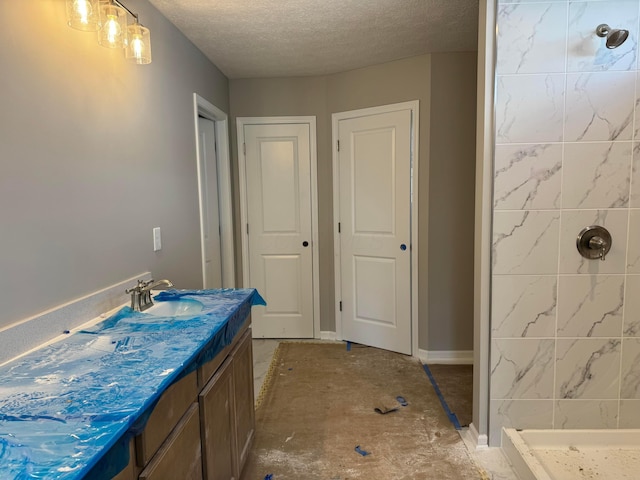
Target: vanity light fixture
x,y
109,19
113,25
83,15
138,49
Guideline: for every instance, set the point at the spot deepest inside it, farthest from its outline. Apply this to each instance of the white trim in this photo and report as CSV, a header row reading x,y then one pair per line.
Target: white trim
x,y
220,119
242,173
446,357
480,442
485,139
325,335
414,106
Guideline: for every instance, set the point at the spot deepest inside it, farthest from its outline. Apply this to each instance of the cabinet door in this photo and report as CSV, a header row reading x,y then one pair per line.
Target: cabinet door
x,y
243,386
217,412
179,456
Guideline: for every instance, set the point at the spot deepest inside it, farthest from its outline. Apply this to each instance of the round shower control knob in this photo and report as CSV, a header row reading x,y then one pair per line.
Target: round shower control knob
x,y
594,242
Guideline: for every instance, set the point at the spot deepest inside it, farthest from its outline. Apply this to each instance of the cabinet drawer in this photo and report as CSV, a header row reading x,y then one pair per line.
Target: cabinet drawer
x,y
165,416
180,455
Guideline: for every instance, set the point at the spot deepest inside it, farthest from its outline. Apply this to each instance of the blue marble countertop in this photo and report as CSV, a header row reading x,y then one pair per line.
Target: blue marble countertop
x,y
64,406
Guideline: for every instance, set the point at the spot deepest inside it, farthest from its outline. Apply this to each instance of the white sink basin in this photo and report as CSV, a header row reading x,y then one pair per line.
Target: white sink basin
x,y
175,308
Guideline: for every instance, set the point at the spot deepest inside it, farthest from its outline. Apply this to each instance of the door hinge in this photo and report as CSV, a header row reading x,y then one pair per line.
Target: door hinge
x,y
244,148
340,305
339,227
338,145
247,229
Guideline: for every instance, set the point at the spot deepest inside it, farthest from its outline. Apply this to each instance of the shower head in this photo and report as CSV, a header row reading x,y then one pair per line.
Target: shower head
x,y
615,37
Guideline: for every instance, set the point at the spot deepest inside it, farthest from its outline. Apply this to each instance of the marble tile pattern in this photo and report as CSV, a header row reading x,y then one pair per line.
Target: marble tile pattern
x,y
587,368
525,242
629,415
590,305
596,175
526,306
635,172
586,414
633,252
593,113
565,331
631,326
630,381
522,368
527,177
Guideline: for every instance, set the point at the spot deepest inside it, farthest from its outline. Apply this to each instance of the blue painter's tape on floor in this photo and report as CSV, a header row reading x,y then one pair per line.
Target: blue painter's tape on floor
x,y
362,452
348,346
452,416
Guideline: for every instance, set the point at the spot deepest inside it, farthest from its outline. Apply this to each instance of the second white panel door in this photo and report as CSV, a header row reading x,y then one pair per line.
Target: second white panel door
x,y
278,196
375,215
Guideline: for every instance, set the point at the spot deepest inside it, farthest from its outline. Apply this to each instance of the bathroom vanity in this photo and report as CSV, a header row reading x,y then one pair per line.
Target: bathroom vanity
x,y
137,395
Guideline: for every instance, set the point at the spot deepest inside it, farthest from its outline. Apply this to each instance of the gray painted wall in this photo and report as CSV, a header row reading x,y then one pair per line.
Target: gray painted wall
x,y
94,152
451,196
393,82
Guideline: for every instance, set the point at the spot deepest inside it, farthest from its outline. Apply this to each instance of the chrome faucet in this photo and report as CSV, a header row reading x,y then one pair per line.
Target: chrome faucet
x,y
141,293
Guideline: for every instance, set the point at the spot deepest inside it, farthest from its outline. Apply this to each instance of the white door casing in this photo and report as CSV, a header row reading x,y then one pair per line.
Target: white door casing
x,y
203,108
208,177
375,180
278,209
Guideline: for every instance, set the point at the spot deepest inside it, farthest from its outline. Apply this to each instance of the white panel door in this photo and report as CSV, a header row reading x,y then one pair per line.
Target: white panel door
x,y
209,204
375,229
278,191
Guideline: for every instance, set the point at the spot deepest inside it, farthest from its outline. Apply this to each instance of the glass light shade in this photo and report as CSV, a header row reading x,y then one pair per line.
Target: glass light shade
x,y
83,15
138,48
113,31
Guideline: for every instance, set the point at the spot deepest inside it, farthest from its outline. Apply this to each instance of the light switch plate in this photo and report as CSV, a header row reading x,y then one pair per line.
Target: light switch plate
x,y
157,239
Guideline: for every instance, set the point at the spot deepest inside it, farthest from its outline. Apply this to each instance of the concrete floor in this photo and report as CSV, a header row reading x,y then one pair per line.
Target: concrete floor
x,y
492,460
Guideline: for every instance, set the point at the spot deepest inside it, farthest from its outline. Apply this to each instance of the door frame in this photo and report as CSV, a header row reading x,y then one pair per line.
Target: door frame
x,y
415,129
242,174
204,108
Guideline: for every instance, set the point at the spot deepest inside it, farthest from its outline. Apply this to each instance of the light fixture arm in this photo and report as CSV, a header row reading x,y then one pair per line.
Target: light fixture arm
x,y
120,4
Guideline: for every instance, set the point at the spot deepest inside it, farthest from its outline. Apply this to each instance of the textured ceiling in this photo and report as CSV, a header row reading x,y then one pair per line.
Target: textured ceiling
x,y
276,38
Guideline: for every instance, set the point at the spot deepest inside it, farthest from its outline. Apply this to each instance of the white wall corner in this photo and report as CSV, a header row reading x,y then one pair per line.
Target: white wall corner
x,y
446,357
328,336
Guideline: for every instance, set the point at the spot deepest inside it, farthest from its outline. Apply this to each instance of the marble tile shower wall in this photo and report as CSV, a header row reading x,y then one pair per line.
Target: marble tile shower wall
x,y
565,347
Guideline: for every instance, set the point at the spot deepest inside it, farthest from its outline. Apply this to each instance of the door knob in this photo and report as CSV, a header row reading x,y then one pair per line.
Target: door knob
x,y
403,247
305,244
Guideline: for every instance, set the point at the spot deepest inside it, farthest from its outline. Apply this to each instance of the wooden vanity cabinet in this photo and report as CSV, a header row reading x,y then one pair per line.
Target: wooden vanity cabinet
x,y
244,398
227,414
203,425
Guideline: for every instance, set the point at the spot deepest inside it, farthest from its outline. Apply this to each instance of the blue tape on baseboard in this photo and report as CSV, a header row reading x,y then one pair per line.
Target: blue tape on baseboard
x,y
452,416
348,346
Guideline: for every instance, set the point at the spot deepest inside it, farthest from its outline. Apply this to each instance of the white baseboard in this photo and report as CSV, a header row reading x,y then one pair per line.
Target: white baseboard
x,y
328,336
446,357
480,441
